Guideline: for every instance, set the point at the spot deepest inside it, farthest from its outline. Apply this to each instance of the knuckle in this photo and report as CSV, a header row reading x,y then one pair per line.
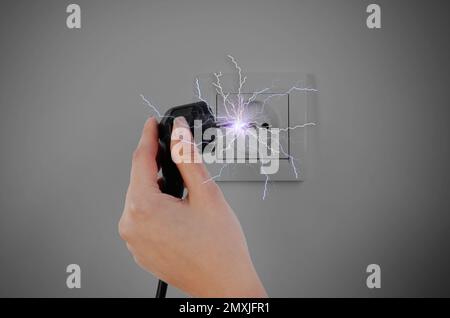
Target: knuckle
x,y
189,149
125,230
133,208
138,211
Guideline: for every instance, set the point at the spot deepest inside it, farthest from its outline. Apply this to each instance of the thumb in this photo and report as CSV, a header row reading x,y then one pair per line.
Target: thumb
x,y
188,159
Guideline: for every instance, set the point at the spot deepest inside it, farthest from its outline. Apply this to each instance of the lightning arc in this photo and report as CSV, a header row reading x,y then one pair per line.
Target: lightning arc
x,y
235,111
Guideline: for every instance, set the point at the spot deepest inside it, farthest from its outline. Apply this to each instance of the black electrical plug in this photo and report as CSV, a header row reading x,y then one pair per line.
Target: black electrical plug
x,y
172,182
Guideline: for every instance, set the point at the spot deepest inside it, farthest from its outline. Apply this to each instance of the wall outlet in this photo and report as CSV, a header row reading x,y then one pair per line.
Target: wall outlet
x,y
284,100
263,111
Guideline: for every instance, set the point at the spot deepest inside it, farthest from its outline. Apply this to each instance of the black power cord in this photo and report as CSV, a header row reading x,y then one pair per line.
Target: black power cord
x,y
172,182
162,289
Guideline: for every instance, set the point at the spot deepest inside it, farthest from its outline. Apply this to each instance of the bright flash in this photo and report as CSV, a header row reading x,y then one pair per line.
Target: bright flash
x,y
239,125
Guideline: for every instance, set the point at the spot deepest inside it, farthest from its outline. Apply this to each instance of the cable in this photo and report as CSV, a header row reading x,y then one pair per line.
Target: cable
x,y
162,289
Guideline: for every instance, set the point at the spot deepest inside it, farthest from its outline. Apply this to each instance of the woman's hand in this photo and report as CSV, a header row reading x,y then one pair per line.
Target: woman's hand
x,y
195,244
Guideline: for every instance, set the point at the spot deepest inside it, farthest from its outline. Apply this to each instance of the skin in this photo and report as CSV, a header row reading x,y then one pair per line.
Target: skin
x,y
195,244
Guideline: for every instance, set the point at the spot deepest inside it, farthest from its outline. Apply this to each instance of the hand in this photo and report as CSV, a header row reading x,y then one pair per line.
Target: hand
x,y
195,244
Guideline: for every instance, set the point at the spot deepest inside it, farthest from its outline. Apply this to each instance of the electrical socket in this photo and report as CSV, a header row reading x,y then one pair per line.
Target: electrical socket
x,y
276,106
263,112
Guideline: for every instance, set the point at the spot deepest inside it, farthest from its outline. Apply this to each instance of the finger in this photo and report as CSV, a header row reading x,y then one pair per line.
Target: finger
x,y
194,173
144,168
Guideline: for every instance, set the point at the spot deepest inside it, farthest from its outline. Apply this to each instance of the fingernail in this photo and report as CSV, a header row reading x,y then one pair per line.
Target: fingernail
x,y
180,122
181,129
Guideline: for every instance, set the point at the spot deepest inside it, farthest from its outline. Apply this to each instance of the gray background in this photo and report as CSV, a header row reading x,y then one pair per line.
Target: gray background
x,y
377,187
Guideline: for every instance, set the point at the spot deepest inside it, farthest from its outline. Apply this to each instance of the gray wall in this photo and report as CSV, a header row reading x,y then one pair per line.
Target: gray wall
x,y
377,175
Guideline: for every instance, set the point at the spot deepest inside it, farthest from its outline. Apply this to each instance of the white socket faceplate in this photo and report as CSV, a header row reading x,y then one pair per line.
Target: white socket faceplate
x,y
288,100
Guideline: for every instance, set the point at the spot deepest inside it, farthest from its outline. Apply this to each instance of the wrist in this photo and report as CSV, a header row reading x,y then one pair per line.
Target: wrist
x,y
244,284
